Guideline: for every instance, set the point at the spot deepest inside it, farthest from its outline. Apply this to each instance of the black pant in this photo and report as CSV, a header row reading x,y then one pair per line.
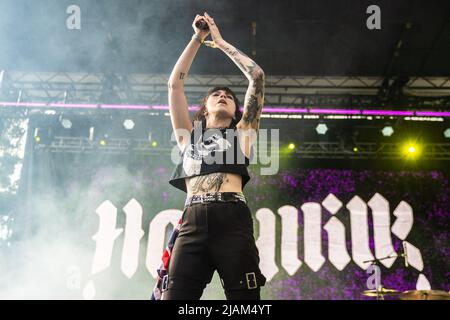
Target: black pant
x,y
215,236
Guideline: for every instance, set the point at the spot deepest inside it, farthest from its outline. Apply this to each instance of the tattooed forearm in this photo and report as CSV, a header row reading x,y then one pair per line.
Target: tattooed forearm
x,y
254,102
254,98
247,65
252,110
182,75
208,183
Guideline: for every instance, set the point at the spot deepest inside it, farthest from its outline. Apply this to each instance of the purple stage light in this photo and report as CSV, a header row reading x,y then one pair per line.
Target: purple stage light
x,y
266,109
387,113
335,111
433,113
72,105
122,106
23,104
284,110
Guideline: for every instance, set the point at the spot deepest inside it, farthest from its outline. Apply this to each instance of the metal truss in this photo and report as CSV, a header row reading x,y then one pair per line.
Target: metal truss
x,y
307,150
370,150
344,91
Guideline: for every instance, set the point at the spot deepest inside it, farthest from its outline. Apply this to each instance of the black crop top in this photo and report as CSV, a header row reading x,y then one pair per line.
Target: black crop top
x,y
216,150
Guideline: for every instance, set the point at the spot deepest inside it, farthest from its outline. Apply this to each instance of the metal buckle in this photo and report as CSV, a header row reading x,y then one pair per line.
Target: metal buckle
x,y
165,282
248,280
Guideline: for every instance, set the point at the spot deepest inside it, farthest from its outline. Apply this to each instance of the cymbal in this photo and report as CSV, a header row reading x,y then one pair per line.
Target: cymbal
x,y
381,291
424,295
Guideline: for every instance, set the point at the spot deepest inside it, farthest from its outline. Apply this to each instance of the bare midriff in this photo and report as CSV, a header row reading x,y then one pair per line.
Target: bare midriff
x,y
214,182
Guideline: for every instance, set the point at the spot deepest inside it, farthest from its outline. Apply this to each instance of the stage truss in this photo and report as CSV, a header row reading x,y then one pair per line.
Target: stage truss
x,y
418,93
307,150
306,91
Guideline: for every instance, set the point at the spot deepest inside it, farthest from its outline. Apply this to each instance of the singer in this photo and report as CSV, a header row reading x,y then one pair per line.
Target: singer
x,y
216,231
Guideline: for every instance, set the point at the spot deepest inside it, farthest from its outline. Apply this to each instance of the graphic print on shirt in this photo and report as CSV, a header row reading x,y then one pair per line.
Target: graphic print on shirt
x,y
194,154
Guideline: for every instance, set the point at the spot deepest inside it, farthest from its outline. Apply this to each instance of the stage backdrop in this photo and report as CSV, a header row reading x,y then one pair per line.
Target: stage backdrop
x,y
95,225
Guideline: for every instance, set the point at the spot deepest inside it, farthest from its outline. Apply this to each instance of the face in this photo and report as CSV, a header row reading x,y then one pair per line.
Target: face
x,y
221,103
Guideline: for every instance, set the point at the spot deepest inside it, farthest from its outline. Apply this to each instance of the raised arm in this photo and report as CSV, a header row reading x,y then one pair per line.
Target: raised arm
x,y
254,97
178,104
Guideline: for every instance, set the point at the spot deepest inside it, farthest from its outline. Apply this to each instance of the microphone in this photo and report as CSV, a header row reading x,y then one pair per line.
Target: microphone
x,y
202,25
405,253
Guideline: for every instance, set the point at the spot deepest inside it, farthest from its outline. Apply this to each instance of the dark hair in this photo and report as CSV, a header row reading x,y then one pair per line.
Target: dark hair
x,y
200,114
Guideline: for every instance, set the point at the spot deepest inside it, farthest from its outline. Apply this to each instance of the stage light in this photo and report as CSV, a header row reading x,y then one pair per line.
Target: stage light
x,y
387,131
66,123
154,143
355,149
103,141
91,133
37,136
291,146
447,133
411,149
128,124
321,128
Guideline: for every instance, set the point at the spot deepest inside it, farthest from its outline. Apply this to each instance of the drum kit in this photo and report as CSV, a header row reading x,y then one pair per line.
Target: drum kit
x,y
408,295
380,292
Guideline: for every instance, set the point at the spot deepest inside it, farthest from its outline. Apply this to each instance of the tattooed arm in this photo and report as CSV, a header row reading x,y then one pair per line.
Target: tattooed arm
x,y
178,104
254,97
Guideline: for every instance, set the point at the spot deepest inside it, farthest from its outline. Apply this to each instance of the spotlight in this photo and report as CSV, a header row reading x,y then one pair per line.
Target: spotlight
x,y
291,146
128,124
321,128
66,123
447,133
411,149
355,149
103,141
387,131
37,136
154,143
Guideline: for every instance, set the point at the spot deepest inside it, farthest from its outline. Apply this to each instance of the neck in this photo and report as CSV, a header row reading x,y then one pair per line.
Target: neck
x,y
215,122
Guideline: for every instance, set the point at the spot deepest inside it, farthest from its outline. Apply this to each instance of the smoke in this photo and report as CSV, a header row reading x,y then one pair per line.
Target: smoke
x,y
131,37
54,260
51,248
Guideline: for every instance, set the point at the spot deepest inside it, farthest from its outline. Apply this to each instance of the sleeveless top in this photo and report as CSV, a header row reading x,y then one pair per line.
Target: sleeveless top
x,y
211,150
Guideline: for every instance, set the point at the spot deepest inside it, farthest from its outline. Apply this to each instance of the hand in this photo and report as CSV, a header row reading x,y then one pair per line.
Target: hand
x,y
201,33
215,34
